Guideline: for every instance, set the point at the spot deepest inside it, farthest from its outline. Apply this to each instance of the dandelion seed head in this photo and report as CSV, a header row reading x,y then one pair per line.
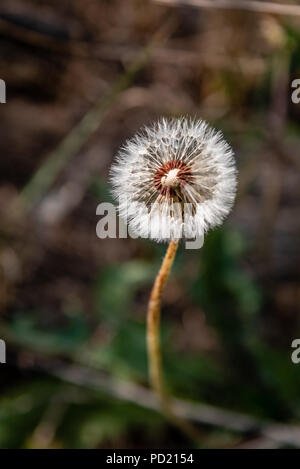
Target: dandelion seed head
x,y
175,179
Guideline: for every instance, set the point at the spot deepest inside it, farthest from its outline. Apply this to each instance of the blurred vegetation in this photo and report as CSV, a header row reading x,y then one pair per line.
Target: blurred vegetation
x,y
230,310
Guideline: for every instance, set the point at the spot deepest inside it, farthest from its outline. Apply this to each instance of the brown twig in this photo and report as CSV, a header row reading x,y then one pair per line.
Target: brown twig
x,y
248,5
196,412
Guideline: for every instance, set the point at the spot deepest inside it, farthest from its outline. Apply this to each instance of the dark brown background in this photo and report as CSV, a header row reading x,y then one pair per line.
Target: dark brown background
x,y
231,310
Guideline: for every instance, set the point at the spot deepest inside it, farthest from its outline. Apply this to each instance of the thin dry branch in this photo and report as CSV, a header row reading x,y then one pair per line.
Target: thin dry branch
x,y
281,434
248,5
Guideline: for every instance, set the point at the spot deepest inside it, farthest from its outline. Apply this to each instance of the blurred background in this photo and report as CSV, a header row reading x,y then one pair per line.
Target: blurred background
x,y
82,77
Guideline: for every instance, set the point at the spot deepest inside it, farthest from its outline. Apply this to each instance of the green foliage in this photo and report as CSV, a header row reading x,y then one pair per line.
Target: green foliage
x,y
104,420
125,354
115,289
25,330
21,411
100,190
88,420
231,301
228,294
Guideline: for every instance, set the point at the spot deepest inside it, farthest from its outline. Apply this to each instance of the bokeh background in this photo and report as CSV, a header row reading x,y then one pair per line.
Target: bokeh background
x,y
81,78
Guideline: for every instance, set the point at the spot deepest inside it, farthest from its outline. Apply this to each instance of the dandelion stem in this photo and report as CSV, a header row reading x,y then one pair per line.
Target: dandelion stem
x,y
154,347
153,323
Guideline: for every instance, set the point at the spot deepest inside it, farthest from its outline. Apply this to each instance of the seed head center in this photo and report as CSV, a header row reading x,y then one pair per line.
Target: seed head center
x,y
171,178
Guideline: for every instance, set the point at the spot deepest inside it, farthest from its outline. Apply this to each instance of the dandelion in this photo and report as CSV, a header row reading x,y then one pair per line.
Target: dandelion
x,y
174,180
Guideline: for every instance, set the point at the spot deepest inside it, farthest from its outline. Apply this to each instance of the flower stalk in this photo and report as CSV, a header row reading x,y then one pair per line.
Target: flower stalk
x,y
154,347
153,324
